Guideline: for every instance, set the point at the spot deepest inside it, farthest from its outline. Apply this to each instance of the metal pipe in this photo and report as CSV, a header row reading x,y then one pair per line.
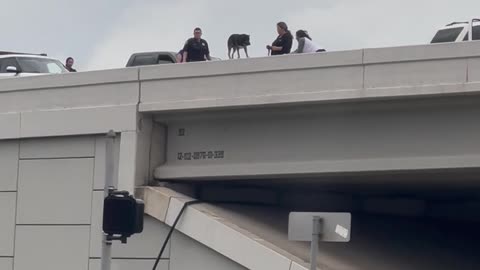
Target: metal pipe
x,y
109,187
316,233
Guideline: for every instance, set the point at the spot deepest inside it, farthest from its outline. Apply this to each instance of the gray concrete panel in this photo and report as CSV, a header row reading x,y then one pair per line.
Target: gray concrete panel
x,y
57,147
72,97
410,74
8,165
277,86
421,52
130,264
10,123
7,223
79,121
56,191
51,247
70,79
6,263
474,70
253,65
189,254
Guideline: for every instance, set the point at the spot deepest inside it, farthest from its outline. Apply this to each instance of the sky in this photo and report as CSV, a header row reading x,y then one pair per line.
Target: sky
x,y
102,34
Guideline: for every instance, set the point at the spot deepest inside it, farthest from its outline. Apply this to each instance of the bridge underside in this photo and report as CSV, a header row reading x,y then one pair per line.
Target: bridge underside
x,y
407,170
346,139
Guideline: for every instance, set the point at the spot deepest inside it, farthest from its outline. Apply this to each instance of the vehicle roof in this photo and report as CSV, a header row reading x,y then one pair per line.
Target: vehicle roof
x,y
26,55
460,24
155,53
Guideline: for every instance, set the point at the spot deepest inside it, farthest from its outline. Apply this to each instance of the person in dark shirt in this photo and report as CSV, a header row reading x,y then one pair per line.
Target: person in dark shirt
x,y
196,48
283,43
69,64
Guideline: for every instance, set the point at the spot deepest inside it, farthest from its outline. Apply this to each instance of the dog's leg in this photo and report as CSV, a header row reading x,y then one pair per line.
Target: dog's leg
x,y
229,51
238,52
235,49
246,51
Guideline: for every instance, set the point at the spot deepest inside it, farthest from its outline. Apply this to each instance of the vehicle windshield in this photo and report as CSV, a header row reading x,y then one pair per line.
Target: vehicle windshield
x,y
476,32
447,35
40,65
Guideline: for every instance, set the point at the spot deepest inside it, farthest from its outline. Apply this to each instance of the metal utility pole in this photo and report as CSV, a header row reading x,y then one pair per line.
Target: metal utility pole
x,y
109,187
316,232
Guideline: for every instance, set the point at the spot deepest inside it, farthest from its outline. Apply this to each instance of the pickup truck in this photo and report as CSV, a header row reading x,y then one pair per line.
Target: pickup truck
x,y
458,32
151,58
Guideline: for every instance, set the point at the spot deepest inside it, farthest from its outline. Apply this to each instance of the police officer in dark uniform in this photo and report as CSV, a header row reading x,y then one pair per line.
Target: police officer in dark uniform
x,y
284,41
196,48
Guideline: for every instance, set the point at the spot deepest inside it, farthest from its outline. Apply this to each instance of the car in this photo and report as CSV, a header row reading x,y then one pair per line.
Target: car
x,y
23,64
154,58
458,32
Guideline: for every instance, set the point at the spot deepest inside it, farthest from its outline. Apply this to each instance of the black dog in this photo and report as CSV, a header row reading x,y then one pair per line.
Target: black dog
x,y
237,42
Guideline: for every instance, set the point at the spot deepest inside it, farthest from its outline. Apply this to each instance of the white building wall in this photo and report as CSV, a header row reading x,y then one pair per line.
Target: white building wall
x,y
51,201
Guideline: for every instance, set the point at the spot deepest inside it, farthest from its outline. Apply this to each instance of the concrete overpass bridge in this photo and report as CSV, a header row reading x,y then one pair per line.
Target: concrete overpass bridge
x,y
389,134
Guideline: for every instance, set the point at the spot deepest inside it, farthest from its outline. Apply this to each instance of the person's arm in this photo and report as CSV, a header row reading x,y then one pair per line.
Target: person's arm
x,y
280,45
185,51
185,55
207,53
277,48
301,46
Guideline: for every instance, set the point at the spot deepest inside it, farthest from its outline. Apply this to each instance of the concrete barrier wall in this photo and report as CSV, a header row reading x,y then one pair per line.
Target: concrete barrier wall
x,y
69,104
439,69
92,102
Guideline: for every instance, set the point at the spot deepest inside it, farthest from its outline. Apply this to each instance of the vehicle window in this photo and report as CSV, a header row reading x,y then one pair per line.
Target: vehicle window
x,y
166,59
40,65
6,62
447,35
54,68
476,32
144,60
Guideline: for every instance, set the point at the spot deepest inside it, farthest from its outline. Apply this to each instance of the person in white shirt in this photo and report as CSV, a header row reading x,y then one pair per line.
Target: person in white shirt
x,y
305,43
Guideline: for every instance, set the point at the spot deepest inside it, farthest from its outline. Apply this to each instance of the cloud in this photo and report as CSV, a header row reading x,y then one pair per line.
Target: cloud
x,y
380,23
337,25
57,27
154,26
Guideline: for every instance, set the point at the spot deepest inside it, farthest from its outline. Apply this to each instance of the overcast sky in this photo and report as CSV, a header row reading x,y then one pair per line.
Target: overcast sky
x,y
103,33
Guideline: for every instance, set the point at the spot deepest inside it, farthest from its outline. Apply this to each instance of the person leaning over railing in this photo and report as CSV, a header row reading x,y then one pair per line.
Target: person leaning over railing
x,y
305,43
